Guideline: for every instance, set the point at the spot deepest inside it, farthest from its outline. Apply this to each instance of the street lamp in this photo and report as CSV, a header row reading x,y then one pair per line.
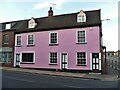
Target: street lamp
x,y
105,19
104,47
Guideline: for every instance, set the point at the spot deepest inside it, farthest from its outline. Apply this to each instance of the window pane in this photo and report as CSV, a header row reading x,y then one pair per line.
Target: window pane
x,y
81,36
53,38
53,57
9,57
6,39
18,40
17,57
81,58
30,39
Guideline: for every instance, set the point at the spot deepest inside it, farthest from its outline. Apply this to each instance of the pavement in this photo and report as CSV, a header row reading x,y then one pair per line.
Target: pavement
x,y
95,76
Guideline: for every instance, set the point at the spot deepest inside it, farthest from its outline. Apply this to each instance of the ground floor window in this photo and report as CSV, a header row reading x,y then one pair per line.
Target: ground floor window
x,y
53,57
6,57
0,57
28,57
81,58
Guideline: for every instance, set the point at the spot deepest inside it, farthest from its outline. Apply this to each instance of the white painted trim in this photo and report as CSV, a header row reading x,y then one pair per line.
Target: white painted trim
x,y
99,55
15,58
86,57
49,58
90,61
60,62
33,38
8,26
28,52
77,36
80,20
99,61
61,59
33,23
50,38
16,40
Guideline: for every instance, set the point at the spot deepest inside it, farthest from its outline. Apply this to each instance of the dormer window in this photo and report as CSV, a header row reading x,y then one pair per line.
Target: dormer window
x,y
8,26
81,17
32,23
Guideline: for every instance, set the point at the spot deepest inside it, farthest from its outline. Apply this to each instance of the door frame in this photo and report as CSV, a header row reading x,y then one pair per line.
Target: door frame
x,y
95,63
61,60
17,63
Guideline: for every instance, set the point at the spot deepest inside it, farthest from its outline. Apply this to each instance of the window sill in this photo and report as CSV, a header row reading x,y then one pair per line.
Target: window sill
x,y
81,21
5,43
81,43
19,46
81,65
53,44
30,45
27,63
53,64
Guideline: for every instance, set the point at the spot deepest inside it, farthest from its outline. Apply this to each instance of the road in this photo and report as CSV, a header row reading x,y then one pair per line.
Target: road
x,y
12,79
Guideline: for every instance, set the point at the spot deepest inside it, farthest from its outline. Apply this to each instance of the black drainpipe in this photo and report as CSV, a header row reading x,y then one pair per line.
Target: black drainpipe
x,y
104,47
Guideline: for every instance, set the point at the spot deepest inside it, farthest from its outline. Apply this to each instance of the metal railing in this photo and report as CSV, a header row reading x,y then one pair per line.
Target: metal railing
x,y
114,62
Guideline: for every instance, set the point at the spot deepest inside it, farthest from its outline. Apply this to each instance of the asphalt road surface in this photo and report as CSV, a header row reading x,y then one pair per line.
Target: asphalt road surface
x,y
12,79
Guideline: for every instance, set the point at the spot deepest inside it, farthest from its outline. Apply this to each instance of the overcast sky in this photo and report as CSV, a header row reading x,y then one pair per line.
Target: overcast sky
x,y
12,10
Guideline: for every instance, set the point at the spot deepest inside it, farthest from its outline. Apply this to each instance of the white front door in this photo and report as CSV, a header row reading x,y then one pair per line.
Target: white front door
x,y
17,60
64,61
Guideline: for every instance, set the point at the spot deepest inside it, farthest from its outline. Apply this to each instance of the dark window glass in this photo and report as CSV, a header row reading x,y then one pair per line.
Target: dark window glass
x,y
27,57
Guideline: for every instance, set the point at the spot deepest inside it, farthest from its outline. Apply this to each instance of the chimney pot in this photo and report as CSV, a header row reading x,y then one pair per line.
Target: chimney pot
x,y
50,12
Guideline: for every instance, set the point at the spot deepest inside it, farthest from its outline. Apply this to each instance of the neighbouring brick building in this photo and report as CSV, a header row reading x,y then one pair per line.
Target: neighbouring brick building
x,y
6,44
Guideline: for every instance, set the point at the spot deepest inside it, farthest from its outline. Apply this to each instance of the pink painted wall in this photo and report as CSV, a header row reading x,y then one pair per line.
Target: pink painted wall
x,y
66,43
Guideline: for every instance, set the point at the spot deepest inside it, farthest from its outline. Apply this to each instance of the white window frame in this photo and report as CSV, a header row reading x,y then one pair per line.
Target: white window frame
x,y
8,26
81,18
16,40
86,59
77,37
49,59
28,52
33,39
31,23
50,38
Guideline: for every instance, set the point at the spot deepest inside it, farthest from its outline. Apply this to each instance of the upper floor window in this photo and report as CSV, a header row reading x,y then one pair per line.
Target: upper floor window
x,y
8,26
30,40
81,58
81,36
5,39
18,40
32,23
81,17
53,38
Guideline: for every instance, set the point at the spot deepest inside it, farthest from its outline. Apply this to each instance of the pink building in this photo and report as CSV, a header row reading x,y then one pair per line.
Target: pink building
x,y
69,41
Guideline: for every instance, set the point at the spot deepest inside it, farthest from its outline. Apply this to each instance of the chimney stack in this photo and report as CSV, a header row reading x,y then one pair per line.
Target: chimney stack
x,y
50,12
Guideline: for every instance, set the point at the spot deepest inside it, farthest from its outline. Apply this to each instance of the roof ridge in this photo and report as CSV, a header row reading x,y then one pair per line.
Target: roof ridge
x,y
51,16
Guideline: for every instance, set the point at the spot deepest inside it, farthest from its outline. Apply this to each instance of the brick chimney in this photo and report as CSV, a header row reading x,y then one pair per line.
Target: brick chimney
x,y
50,12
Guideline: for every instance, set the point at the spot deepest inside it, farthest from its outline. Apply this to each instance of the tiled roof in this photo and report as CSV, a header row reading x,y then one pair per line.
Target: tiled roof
x,y
58,22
